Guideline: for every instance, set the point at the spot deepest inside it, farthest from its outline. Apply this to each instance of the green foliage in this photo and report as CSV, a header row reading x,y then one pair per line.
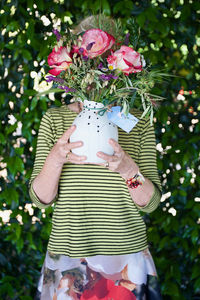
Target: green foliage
x,y
169,33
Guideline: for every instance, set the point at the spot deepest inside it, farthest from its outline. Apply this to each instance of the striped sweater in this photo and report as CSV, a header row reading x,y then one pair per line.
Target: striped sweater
x,y
94,213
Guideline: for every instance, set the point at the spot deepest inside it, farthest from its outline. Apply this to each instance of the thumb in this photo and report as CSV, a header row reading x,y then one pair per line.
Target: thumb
x,y
66,135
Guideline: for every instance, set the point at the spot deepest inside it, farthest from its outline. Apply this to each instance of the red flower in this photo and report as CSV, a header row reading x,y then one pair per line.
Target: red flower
x,y
126,60
96,42
59,60
105,289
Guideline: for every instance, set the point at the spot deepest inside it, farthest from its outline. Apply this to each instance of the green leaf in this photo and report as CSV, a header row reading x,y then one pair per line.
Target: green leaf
x,y
195,271
20,245
53,90
141,20
40,4
26,54
30,4
8,289
2,139
172,289
1,60
105,7
11,128
19,151
34,102
18,231
30,92
15,164
12,26
9,195
197,285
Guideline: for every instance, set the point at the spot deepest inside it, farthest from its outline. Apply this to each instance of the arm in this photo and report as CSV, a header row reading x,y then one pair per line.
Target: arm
x,y
49,162
146,196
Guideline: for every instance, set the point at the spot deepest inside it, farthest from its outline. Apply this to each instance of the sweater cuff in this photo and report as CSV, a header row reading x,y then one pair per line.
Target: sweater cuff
x,y
153,202
36,200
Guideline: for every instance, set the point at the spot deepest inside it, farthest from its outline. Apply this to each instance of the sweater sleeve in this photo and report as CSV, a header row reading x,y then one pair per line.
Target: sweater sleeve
x,y
148,165
45,142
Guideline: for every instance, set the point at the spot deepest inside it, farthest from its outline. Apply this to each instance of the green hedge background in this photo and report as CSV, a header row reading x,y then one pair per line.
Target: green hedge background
x,y
170,37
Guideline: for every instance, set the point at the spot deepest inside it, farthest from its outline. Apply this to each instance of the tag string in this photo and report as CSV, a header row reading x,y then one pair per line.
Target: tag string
x,y
103,110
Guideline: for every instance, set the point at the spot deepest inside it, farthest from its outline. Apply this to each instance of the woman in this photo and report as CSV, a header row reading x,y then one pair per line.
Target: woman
x,y
98,246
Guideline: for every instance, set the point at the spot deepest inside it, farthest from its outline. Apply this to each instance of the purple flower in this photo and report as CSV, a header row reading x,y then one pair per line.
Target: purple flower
x,y
57,34
80,50
106,77
66,89
126,41
100,66
50,78
89,46
85,58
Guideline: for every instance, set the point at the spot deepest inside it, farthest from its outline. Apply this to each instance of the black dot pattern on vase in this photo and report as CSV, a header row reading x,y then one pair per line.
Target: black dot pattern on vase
x,y
88,123
89,117
97,130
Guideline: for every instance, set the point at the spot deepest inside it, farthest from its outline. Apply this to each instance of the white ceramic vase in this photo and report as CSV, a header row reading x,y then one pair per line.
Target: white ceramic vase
x,y
94,129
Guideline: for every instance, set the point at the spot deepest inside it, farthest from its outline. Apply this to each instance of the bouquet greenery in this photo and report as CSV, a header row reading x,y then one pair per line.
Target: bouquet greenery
x,y
100,64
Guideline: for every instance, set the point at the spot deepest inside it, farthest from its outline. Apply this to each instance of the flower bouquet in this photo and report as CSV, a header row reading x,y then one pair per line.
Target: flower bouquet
x,y
101,65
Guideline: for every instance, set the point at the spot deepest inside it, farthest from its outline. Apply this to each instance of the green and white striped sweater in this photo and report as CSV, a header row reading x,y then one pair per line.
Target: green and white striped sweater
x,y
94,213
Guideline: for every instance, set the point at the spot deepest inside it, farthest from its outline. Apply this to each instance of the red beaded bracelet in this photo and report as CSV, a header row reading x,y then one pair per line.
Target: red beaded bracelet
x,y
135,181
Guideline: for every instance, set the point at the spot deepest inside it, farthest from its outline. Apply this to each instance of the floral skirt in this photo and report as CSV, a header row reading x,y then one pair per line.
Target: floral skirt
x,y
122,277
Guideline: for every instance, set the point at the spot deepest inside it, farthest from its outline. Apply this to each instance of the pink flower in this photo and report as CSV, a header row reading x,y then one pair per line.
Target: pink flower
x,y
59,60
95,42
126,60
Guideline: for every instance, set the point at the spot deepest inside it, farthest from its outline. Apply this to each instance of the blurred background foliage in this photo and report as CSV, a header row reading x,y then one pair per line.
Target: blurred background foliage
x,y
170,39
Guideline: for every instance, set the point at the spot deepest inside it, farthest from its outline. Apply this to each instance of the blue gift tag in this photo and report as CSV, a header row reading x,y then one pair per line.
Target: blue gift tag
x,y
124,122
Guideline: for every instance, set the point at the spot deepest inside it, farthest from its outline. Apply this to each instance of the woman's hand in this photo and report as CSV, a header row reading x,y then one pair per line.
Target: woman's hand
x,y
61,151
46,182
120,161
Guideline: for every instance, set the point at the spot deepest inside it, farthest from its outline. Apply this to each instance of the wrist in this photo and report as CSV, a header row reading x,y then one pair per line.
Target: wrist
x,y
130,172
54,162
135,181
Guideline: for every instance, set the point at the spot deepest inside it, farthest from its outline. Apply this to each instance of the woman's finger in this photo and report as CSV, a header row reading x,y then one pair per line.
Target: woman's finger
x,y
117,148
74,158
74,145
109,158
66,135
